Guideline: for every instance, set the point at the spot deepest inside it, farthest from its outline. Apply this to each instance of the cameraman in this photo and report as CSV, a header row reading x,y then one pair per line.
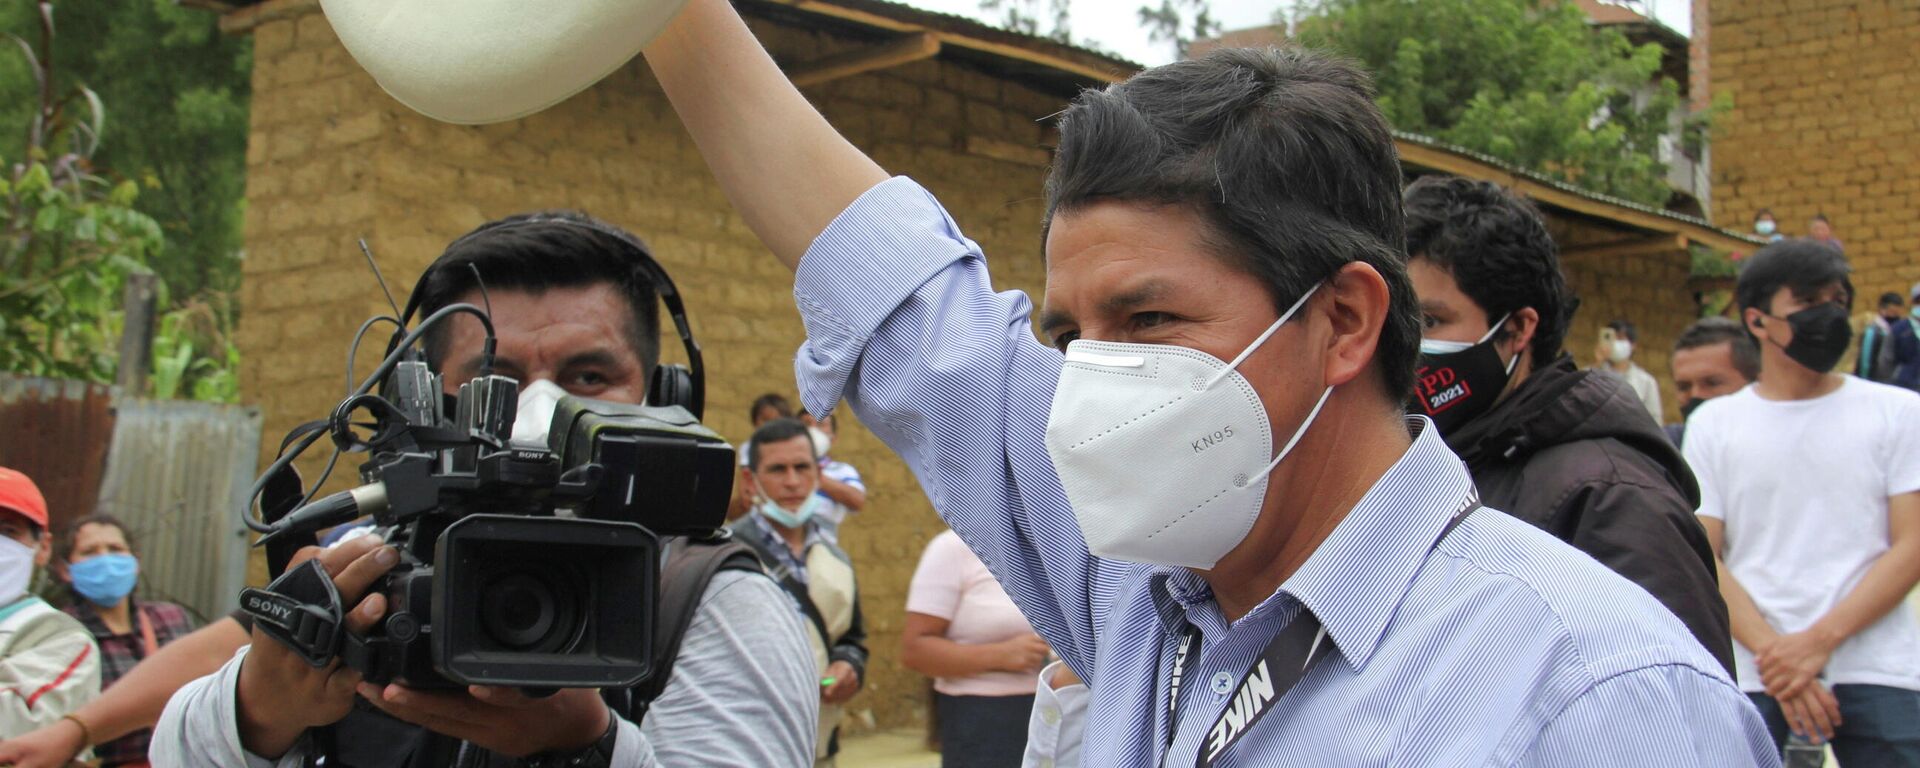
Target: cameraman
x,y
572,307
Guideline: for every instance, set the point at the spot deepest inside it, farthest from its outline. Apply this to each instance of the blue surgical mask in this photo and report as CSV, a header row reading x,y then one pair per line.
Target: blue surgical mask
x,y
105,580
791,518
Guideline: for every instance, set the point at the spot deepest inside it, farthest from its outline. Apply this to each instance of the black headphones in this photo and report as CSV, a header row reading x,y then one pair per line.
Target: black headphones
x,y
681,385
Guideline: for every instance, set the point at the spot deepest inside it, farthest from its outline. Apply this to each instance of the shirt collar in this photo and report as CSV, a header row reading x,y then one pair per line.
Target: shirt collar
x,y
90,617
1355,580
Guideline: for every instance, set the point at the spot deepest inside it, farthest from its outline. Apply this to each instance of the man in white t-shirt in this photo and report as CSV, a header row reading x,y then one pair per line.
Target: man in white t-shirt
x,y
1810,493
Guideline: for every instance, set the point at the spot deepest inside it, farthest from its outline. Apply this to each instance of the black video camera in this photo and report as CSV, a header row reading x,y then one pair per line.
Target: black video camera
x,y
534,566
522,565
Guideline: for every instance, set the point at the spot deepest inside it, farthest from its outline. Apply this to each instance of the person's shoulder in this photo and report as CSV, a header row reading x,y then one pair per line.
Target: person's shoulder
x,y
1859,390
37,623
1594,621
38,614
1737,405
946,545
738,605
1602,461
730,586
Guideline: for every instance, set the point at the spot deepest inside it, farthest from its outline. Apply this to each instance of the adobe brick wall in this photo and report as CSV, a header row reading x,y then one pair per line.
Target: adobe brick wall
x,y
1649,290
332,158
1824,118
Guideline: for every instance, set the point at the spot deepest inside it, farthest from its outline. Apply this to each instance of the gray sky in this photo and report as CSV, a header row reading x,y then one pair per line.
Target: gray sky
x,y
1114,26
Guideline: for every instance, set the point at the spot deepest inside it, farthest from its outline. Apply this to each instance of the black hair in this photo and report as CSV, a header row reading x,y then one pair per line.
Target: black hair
x,y
1625,330
1281,152
536,252
772,400
1892,299
1822,218
1709,331
776,431
1767,212
1801,266
1495,245
70,534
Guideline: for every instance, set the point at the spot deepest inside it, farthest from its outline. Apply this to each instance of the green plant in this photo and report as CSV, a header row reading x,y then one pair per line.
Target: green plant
x,y
1179,22
70,235
1530,82
1707,262
1024,16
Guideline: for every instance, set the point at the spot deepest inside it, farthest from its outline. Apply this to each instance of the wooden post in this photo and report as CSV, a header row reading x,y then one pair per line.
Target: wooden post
x,y
136,334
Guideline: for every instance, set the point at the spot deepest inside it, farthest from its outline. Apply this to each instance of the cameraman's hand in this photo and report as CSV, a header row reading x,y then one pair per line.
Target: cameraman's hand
x,y
280,694
502,720
846,683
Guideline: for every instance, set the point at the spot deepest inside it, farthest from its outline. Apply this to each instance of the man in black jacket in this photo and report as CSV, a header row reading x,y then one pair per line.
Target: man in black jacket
x,y
1570,451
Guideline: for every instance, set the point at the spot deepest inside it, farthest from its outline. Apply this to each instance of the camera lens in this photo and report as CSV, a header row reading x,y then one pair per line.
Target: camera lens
x,y
525,612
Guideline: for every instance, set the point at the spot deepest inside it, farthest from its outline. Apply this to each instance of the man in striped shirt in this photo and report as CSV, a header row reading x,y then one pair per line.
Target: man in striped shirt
x,y
1206,542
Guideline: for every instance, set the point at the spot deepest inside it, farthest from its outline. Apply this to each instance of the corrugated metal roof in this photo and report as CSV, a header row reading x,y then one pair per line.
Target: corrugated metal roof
x,y
1572,189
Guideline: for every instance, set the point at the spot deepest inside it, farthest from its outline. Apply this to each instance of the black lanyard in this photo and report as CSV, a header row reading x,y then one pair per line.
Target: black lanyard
x,y
1284,663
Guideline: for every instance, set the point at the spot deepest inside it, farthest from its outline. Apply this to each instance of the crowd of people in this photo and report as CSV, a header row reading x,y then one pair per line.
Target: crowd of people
x,y
1301,465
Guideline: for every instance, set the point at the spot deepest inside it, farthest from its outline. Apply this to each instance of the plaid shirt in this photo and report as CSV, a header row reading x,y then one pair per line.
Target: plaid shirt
x,y
797,565
118,654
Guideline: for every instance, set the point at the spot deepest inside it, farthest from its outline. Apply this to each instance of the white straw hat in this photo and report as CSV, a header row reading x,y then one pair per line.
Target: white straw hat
x,y
485,61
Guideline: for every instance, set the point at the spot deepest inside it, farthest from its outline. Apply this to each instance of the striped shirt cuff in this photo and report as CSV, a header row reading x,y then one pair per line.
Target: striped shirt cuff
x,y
869,261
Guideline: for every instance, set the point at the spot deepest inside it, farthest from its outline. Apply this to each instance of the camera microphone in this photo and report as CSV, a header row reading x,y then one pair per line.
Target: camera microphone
x,y
333,509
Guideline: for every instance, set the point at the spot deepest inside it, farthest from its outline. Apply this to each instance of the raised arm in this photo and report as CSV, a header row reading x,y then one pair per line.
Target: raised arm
x,y
786,170
890,287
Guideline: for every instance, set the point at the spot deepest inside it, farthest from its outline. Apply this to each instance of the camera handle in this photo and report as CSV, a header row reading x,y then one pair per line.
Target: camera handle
x,y
301,610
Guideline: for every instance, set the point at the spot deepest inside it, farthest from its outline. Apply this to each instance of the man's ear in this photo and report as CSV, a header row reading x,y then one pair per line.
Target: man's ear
x,y
1521,327
1754,319
43,553
1356,306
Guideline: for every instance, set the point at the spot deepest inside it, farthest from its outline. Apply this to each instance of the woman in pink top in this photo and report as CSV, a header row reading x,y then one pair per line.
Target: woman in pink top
x,y
963,631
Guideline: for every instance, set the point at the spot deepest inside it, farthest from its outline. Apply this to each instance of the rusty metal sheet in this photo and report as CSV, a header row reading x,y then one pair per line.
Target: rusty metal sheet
x,y
57,433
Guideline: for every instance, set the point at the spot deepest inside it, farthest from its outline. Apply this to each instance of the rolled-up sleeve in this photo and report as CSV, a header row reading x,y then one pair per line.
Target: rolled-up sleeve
x,y
200,726
903,325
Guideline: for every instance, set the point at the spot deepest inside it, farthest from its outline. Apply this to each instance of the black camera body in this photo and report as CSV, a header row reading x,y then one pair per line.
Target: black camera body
x,y
528,565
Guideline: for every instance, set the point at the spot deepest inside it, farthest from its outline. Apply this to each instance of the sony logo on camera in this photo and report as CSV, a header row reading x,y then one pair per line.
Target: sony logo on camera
x,y
260,605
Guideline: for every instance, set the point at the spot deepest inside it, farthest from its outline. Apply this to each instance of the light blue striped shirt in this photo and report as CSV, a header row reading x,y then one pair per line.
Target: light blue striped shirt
x,y
1502,646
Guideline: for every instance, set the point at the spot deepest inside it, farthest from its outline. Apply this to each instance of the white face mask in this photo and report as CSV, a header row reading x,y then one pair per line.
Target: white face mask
x,y
792,518
822,442
534,416
1164,451
16,569
1621,351
1763,226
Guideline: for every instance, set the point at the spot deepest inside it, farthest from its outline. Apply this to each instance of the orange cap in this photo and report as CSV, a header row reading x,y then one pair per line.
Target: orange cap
x,y
19,494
